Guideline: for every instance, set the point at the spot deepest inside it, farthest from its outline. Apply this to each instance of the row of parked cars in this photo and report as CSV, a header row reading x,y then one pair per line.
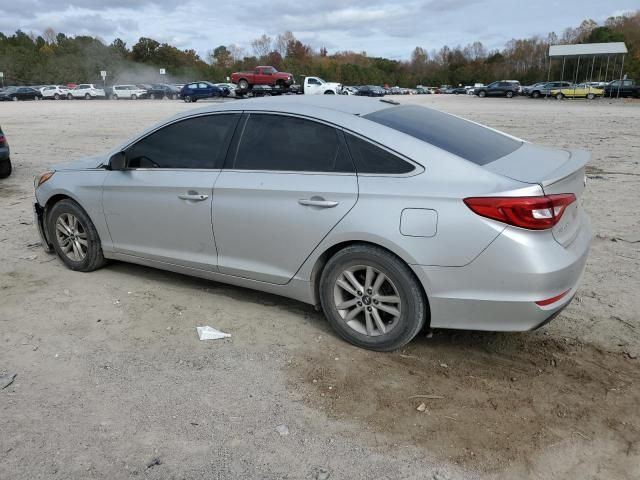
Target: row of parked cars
x,y
558,89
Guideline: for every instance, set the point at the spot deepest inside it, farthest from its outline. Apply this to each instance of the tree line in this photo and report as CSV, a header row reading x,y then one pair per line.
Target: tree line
x,y
27,58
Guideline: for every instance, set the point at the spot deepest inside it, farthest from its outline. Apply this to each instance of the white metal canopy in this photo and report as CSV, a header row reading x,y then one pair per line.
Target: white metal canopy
x,y
587,49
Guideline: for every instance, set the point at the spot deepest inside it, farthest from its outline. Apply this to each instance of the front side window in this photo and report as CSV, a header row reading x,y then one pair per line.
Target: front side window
x,y
199,143
278,142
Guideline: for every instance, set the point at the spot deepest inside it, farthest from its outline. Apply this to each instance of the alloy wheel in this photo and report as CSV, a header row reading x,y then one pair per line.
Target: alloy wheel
x,y
367,300
72,237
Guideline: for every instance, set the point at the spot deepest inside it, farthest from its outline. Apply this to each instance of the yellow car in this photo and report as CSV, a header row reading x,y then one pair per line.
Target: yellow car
x,y
579,91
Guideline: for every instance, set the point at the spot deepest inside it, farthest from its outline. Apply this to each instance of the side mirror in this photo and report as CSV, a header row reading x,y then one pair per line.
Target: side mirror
x,y
118,161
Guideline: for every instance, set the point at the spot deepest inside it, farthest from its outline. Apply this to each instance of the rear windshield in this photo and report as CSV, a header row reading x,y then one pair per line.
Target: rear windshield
x,y
472,142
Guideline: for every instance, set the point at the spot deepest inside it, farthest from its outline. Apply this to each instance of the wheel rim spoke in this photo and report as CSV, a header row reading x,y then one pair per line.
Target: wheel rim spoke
x,y
369,323
71,237
351,315
388,299
378,320
347,304
368,278
345,286
390,310
378,283
352,280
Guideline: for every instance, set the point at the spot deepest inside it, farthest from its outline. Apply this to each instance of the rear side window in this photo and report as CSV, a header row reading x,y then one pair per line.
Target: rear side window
x,y
199,143
468,140
282,143
370,158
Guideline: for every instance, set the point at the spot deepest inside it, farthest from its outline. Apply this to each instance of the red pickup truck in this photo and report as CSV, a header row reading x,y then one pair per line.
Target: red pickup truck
x,y
262,75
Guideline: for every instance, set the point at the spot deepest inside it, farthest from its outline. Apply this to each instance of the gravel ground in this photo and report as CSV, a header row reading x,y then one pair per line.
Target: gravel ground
x,y
112,381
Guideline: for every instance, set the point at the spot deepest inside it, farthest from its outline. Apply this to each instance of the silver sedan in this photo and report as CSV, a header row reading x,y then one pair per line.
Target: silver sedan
x,y
390,217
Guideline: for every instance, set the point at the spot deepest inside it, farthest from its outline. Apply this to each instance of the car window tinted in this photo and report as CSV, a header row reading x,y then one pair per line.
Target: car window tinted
x,y
468,140
370,158
199,142
277,142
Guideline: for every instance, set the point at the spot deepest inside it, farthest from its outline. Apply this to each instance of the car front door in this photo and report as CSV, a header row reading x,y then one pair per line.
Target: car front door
x,y
159,206
313,86
286,185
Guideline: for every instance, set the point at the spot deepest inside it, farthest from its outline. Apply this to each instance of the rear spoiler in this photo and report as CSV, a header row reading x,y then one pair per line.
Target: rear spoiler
x,y
577,160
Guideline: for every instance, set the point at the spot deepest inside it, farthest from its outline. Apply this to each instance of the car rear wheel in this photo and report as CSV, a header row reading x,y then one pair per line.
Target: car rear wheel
x,y
559,96
590,96
243,84
87,96
5,168
482,94
188,99
56,96
134,97
69,97
152,96
329,92
15,99
74,236
509,94
535,94
371,298
114,97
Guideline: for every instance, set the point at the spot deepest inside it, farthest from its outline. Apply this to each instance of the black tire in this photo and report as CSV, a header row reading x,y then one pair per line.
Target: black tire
x,y
87,96
69,97
509,94
153,97
559,95
5,168
56,96
535,94
194,100
188,99
414,311
94,258
482,94
243,84
329,92
114,97
590,96
134,97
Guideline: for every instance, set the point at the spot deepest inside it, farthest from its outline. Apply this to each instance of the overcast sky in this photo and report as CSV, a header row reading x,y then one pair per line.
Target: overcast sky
x,y
380,27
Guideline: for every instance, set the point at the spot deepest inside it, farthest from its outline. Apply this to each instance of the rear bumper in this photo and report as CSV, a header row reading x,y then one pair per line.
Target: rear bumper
x,y
498,291
4,153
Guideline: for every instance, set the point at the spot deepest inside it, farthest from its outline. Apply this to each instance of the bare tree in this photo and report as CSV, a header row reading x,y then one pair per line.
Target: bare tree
x,y
49,36
236,51
261,46
282,42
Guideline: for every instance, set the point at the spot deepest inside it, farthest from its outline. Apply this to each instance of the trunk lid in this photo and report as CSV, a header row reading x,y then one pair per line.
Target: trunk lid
x,y
556,171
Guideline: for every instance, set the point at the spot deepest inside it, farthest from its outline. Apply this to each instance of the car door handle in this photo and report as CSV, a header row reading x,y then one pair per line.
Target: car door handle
x,y
314,202
196,197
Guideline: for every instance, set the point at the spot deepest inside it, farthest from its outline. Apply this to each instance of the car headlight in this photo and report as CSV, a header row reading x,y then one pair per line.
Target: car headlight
x,y
43,177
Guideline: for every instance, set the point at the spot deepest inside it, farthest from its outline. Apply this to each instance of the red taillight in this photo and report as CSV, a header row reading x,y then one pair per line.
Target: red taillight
x,y
533,213
2,139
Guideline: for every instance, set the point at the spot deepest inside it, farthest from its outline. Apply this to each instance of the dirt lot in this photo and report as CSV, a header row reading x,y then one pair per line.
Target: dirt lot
x,y
112,381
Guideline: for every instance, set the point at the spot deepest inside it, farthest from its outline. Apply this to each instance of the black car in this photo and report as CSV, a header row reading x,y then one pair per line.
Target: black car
x,y
624,88
5,161
370,91
20,93
162,90
503,88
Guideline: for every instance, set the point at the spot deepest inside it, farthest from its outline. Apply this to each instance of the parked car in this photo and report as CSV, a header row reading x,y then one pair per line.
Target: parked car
x,y
317,86
527,89
192,92
544,89
502,88
54,92
370,91
349,91
5,160
577,91
502,247
131,92
262,75
624,88
20,93
230,87
86,91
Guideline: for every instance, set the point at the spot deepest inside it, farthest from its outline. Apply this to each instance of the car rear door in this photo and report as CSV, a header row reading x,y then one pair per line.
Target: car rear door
x,y
159,208
286,183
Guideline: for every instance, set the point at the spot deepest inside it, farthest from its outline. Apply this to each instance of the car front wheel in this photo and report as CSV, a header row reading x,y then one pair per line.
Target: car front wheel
x,y
74,236
371,298
509,94
482,94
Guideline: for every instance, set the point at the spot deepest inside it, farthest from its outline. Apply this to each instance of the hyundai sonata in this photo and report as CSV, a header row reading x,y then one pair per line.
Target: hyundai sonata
x,y
390,217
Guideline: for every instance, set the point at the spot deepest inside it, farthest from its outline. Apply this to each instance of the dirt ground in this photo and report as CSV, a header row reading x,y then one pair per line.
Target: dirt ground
x,y
112,381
